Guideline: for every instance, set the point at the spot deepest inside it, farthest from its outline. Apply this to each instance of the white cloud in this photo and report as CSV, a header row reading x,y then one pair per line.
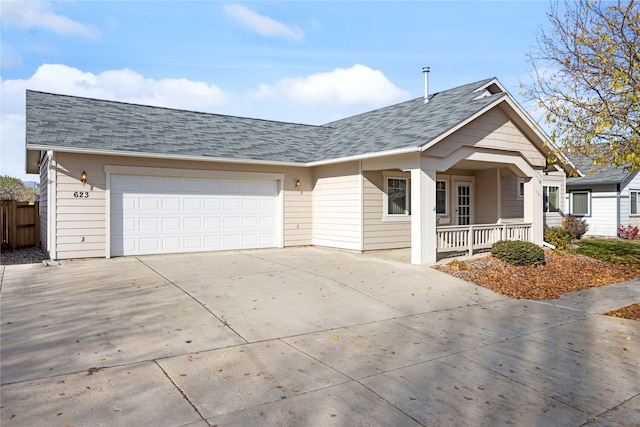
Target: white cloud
x,y
358,86
263,25
38,14
121,85
9,58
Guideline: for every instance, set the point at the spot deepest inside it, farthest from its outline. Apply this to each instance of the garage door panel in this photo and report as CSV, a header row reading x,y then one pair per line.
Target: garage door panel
x,y
192,204
193,223
147,184
192,242
250,205
149,204
213,242
231,241
192,186
149,244
164,215
171,204
230,222
249,222
149,224
171,244
267,239
231,204
171,224
212,223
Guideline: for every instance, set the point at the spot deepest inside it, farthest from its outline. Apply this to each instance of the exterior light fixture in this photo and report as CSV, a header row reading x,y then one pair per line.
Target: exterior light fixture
x,y
83,177
297,185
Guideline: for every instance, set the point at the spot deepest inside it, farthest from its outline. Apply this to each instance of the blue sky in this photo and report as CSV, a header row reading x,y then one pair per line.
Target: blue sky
x,y
306,62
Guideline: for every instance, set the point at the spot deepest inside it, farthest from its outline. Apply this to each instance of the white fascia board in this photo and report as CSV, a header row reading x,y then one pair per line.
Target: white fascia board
x,y
164,156
569,166
365,156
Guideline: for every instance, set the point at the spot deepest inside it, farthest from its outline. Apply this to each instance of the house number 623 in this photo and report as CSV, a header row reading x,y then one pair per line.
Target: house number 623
x,y
81,194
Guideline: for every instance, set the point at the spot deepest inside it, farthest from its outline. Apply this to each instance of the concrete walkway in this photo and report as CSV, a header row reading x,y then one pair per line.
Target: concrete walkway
x,y
304,336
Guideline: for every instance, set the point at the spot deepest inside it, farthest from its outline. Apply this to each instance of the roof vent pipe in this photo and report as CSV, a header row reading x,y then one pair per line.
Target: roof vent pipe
x,y
425,71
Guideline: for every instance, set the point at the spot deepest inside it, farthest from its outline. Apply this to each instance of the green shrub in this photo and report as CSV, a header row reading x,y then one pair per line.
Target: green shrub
x,y
576,226
517,252
557,236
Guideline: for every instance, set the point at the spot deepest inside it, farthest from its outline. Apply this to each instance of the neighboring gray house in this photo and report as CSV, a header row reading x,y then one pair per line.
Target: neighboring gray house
x,y
605,198
455,170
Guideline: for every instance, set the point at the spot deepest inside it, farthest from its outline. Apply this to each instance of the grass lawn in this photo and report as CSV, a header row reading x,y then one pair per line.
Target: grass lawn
x,y
621,252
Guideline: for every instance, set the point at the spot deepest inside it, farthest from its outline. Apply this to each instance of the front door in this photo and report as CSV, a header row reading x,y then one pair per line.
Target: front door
x,y
464,203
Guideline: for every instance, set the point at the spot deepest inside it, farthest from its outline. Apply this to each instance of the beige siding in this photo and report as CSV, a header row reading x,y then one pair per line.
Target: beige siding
x,y
494,130
555,179
512,205
377,233
336,204
78,218
486,197
297,218
44,202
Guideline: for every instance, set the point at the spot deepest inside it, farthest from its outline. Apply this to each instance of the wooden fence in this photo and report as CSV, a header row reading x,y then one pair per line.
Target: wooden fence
x,y
20,224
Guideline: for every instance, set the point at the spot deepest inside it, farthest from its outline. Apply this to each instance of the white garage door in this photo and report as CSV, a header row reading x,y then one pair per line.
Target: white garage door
x,y
151,215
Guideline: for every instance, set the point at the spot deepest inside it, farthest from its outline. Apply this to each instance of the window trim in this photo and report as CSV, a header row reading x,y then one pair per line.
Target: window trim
x,y
446,197
519,187
572,204
637,191
545,199
386,216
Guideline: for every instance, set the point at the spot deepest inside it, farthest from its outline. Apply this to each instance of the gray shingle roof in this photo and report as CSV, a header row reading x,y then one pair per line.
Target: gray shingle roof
x,y
594,175
74,123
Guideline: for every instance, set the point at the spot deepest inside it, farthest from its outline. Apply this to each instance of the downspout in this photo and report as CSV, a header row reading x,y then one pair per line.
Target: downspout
x,y
618,207
52,202
361,183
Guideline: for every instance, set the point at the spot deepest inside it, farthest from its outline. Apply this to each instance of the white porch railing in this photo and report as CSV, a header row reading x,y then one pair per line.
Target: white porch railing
x,y
469,238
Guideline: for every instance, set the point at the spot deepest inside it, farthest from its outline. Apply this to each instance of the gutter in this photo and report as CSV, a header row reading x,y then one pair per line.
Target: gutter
x,y
224,159
162,156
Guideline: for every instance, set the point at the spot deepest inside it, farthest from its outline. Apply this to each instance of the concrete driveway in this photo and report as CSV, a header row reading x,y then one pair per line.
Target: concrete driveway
x,y
304,336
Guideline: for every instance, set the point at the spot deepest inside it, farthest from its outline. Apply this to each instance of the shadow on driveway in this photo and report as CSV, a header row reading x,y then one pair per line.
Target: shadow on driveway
x,y
302,336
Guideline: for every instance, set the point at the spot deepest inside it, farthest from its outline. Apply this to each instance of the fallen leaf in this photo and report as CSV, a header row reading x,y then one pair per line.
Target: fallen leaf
x,y
334,336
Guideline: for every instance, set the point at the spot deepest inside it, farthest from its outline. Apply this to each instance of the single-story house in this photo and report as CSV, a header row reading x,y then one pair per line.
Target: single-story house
x,y
606,198
451,171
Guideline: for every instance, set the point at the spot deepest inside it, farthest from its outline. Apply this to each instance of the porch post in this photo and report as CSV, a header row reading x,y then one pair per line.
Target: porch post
x,y
423,215
533,206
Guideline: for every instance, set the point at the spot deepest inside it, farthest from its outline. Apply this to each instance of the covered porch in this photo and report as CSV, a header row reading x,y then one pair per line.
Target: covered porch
x,y
467,201
470,239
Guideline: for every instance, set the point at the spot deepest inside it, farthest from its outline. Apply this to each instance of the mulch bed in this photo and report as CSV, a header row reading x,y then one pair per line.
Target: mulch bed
x,y
563,272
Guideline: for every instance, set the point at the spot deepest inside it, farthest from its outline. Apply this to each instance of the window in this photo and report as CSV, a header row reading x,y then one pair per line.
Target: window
x,y
634,199
441,197
398,196
580,203
520,189
551,195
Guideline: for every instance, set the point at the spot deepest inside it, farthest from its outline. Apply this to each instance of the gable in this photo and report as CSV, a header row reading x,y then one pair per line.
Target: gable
x,y
493,130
